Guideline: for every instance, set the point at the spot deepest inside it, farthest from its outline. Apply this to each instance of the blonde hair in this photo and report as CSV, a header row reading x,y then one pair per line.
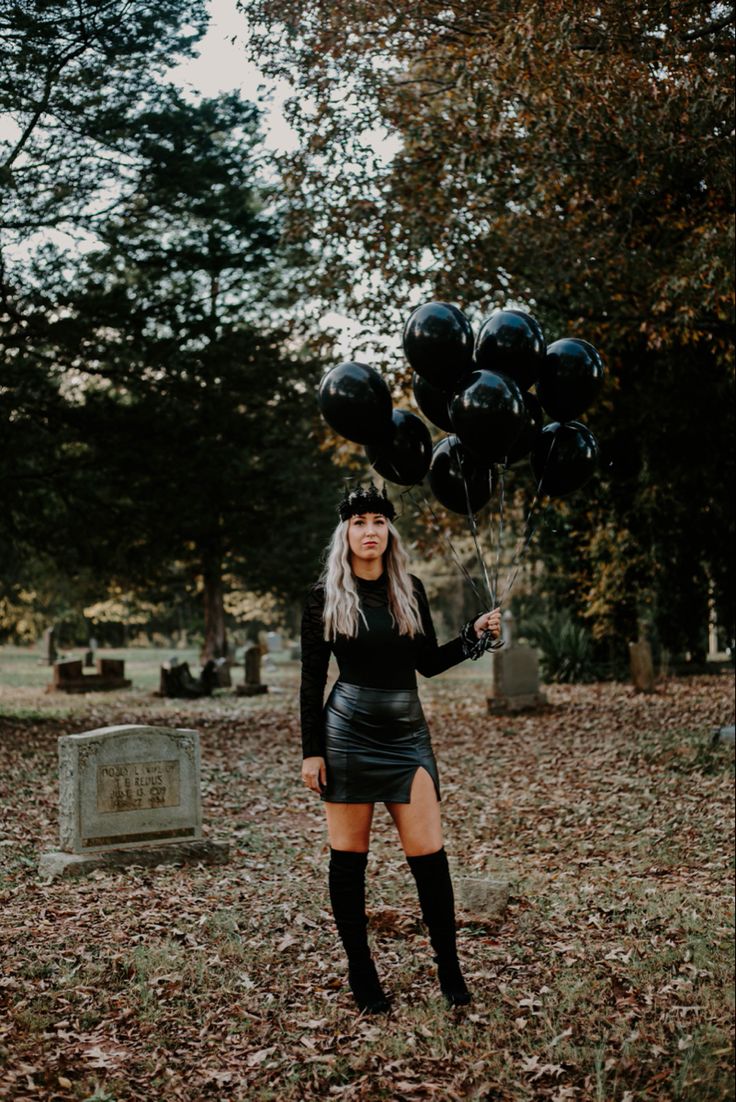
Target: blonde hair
x,y
342,603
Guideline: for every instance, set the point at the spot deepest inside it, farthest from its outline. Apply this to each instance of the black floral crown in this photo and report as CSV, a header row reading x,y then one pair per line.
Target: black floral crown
x,y
366,499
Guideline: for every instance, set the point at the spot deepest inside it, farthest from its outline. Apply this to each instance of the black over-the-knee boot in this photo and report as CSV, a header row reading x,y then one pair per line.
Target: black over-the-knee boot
x,y
347,895
434,885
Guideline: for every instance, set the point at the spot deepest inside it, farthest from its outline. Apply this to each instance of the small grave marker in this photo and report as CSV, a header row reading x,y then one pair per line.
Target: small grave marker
x,y
252,661
48,647
479,897
482,898
642,667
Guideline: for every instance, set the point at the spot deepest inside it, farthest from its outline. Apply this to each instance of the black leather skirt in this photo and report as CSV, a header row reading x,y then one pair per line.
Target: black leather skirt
x,y
375,740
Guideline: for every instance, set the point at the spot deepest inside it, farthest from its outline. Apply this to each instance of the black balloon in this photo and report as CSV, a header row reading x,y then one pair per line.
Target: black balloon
x,y
571,378
432,402
564,458
438,343
512,342
449,463
355,401
488,414
405,457
528,436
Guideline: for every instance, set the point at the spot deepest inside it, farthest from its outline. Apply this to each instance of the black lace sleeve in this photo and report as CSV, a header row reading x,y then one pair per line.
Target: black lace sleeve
x,y
433,658
315,660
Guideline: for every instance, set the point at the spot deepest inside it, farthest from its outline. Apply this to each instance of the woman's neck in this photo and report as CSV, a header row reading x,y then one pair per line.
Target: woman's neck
x,y
370,570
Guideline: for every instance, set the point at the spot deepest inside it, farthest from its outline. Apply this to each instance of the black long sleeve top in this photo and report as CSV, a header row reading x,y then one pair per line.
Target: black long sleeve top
x,y
378,657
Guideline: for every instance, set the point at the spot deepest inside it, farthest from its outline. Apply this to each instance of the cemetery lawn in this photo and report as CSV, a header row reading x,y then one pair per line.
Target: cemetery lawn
x,y
608,978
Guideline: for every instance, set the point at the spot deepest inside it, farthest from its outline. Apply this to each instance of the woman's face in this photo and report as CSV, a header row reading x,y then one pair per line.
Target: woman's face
x,y
368,536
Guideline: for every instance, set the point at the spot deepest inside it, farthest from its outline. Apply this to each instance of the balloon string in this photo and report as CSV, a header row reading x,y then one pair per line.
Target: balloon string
x,y
501,502
463,569
491,489
474,534
516,564
527,532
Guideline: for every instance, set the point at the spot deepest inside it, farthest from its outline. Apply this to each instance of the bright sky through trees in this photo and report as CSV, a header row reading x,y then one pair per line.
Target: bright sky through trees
x,y
222,65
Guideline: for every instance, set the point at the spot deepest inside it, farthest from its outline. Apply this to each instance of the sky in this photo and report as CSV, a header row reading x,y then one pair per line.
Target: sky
x,y
222,65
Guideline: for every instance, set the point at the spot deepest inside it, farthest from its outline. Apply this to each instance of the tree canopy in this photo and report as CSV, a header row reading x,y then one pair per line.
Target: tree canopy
x,y
72,77
577,160
157,410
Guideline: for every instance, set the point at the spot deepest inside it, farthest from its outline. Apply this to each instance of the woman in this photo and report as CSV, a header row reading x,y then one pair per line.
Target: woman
x,y
370,743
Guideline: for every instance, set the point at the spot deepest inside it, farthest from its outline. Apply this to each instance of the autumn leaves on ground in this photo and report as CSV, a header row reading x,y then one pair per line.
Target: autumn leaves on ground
x,y
608,978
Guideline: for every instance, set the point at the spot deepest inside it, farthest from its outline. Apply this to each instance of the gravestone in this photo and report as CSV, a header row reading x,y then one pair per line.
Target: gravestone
x,y
176,680
129,795
642,667
252,661
69,676
48,647
274,642
481,898
222,668
514,674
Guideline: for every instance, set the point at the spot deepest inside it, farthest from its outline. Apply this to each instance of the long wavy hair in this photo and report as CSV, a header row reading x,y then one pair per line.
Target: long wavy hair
x,y
342,603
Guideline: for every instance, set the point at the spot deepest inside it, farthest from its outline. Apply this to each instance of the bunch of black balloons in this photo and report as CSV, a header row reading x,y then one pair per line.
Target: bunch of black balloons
x,y
479,392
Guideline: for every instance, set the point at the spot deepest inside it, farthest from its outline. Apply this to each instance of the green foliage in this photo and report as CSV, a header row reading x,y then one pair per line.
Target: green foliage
x,y
157,410
566,650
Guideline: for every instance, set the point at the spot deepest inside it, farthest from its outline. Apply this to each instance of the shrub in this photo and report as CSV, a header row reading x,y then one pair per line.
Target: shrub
x,y
566,648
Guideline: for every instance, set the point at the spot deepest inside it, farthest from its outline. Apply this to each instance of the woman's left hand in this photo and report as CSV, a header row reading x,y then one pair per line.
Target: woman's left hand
x,y
489,621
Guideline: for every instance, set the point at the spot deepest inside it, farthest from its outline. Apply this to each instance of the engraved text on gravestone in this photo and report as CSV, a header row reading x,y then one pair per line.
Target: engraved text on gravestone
x,y
136,786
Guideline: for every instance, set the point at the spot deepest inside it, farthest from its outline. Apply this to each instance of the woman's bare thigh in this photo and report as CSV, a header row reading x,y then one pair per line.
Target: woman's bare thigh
x,y
349,826
418,822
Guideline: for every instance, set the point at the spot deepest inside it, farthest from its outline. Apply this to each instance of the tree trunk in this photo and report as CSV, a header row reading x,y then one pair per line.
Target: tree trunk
x,y
215,638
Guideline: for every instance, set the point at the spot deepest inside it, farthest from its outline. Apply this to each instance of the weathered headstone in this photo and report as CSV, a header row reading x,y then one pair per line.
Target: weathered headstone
x,y
111,668
48,647
176,680
253,685
479,897
69,676
642,667
129,795
482,898
274,641
514,674
222,668
66,673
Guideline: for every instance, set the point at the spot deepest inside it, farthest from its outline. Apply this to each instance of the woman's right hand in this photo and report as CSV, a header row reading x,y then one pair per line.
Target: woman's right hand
x,y
314,773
